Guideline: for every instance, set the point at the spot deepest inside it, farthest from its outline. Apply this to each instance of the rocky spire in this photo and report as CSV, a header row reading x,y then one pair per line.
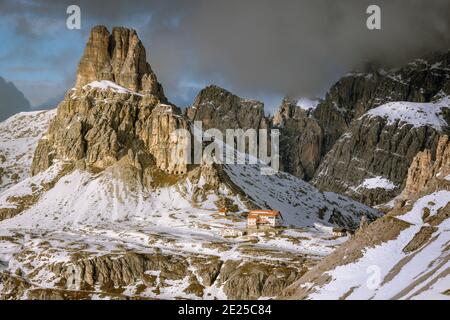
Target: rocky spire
x,y
426,166
119,57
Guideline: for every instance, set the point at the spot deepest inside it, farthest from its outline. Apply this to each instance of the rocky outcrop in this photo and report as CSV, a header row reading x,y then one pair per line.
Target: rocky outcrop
x,y
119,57
307,136
356,93
300,140
373,147
97,125
218,108
412,238
146,275
251,279
426,166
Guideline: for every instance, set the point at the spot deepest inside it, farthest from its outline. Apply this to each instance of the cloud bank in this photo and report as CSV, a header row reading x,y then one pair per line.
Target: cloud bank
x,y
256,48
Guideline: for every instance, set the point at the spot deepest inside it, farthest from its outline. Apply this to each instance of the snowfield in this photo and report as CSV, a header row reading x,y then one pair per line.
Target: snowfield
x,y
100,215
18,139
375,183
387,271
109,85
416,114
300,202
64,212
307,104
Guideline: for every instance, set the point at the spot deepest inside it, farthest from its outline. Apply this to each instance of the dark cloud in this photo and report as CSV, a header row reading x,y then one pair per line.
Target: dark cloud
x,y
260,47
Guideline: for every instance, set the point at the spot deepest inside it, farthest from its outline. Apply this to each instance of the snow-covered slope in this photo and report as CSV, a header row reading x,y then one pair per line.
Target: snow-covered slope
x,y
307,104
300,203
416,114
66,214
421,274
18,139
404,255
377,182
101,215
109,85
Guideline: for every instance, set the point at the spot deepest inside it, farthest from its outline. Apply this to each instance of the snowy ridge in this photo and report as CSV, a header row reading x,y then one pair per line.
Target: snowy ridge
x,y
102,216
388,271
300,203
18,139
416,114
65,211
307,104
109,85
375,183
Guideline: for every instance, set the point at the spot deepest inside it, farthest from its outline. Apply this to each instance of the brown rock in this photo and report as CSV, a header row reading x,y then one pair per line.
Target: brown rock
x,y
426,167
119,57
300,140
218,108
101,126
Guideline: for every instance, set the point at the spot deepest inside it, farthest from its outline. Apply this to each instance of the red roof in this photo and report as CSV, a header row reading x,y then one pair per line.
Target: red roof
x,y
266,213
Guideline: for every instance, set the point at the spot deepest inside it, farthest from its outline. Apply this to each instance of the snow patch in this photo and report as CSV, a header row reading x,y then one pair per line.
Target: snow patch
x,y
377,183
416,114
307,104
109,85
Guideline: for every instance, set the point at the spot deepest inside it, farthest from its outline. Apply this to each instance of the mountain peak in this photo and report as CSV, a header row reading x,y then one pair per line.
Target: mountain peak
x,y
120,57
12,100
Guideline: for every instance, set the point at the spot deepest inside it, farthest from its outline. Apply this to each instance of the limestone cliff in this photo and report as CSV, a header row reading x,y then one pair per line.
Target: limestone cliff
x,y
100,121
407,248
373,148
218,108
357,92
369,136
99,127
119,57
426,166
300,139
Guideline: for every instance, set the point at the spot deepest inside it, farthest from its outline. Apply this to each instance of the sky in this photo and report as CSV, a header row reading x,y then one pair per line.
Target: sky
x,y
259,49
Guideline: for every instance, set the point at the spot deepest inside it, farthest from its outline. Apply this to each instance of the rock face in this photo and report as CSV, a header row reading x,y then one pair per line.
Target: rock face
x,y
218,108
99,127
99,124
356,93
373,148
251,280
427,165
119,57
351,97
308,136
409,245
300,140
144,275
357,147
